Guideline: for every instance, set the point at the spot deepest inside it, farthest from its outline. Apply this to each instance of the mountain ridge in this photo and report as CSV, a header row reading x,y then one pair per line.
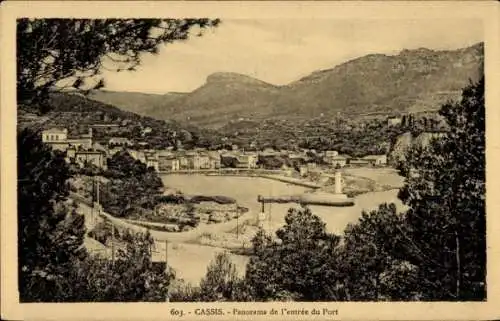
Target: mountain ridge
x,y
410,81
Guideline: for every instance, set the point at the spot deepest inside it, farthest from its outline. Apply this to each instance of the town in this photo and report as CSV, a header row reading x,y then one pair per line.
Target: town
x,y
83,151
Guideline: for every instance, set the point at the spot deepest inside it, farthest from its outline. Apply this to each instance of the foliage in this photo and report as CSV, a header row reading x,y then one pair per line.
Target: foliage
x,y
181,291
220,283
122,164
133,186
445,190
102,232
219,199
171,198
50,234
371,259
221,280
75,51
228,161
132,277
270,162
300,264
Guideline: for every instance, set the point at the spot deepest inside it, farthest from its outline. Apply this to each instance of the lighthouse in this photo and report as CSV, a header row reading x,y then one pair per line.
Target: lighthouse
x,y
338,185
320,198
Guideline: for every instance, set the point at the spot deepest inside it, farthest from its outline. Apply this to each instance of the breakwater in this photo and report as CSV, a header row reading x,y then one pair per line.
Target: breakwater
x,y
277,175
291,180
321,199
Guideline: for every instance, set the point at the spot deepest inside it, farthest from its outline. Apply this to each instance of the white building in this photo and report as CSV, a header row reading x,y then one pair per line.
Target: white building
x,y
376,160
54,135
152,161
394,121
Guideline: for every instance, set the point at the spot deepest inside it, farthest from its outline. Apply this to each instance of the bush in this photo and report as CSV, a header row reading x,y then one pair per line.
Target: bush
x,y
180,291
175,199
301,262
221,282
217,199
102,232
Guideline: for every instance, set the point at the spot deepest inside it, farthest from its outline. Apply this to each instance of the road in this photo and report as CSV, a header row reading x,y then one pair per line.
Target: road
x,y
189,261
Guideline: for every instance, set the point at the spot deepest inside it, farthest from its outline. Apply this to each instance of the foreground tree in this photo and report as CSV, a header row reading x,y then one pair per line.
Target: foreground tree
x,y
132,185
445,190
221,282
54,54
58,54
131,277
299,265
372,259
50,234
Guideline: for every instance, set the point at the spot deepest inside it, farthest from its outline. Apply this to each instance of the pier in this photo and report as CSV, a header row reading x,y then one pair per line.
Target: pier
x,y
316,198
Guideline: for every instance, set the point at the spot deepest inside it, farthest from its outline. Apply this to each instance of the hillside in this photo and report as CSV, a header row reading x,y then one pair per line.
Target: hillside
x,y
224,97
416,80
407,141
411,81
139,103
77,113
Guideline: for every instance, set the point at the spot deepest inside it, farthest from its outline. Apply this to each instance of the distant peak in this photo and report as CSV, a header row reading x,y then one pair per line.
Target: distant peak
x,y
420,50
217,76
224,77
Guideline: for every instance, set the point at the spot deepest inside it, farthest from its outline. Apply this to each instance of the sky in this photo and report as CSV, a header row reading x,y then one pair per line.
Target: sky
x,y
282,51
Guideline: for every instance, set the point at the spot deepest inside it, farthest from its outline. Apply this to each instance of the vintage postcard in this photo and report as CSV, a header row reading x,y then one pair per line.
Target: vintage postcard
x,y
249,160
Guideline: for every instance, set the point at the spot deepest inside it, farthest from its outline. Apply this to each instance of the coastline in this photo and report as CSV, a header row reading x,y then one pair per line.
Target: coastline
x,y
193,235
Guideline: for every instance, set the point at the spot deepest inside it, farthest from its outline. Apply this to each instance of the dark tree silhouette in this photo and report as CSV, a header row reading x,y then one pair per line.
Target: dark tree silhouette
x,y
445,190
56,54
300,264
48,236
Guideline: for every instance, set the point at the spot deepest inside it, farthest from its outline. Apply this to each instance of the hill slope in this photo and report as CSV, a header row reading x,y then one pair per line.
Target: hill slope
x,y
78,113
224,96
412,81
135,102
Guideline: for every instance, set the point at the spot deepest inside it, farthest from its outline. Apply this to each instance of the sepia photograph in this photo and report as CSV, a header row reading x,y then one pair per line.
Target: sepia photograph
x,y
210,158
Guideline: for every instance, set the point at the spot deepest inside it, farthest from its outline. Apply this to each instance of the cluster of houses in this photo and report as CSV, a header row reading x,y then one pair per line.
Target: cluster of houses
x,y
79,149
83,150
334,159
198,159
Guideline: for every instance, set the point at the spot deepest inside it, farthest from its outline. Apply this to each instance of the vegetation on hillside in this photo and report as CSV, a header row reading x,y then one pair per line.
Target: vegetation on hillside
x,y
131,186
77,113
445,190
50,234
353,137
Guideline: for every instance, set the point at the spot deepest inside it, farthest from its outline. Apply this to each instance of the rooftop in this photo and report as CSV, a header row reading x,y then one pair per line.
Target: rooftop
x,y
89,152
123,139
373,157
56,131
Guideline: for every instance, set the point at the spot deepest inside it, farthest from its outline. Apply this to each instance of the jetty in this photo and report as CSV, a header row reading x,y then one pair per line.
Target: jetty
x,y
337,199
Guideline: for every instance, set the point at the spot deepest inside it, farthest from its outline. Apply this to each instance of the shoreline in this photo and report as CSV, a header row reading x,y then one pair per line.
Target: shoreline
x,y
194,234
273,175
